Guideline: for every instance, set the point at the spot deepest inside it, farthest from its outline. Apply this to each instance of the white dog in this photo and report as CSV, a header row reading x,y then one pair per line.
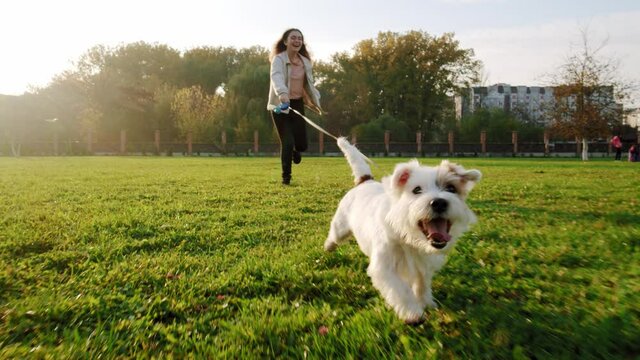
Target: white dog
x,y
406,225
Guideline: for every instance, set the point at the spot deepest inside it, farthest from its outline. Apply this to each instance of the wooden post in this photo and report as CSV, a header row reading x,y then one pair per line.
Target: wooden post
x,y
157,141
224,142
123,142
354,139
321,142
419,142
189,143
514,141
546,142
451,142
387,137
256,142
483,141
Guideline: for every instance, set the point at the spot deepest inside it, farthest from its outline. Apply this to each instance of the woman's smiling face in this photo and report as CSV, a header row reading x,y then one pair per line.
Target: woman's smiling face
x,y
294,40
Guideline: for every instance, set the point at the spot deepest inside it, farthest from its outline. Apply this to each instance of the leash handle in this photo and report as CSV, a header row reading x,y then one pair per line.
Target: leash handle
x,y
280,108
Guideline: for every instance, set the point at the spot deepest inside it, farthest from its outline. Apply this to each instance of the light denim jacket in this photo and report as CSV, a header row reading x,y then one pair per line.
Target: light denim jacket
x,y
280,74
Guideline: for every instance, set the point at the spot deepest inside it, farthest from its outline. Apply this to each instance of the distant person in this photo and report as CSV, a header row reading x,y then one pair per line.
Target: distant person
x,y
634,153
617,146
292,84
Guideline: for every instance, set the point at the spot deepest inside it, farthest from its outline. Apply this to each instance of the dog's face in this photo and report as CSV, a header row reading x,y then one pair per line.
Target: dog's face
x,y
428,204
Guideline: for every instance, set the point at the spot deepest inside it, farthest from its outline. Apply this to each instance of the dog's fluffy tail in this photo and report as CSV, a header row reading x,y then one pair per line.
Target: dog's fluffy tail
x,y
357,161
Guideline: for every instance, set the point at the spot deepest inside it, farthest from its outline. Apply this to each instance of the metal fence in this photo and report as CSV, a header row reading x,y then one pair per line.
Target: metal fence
x,y
326,148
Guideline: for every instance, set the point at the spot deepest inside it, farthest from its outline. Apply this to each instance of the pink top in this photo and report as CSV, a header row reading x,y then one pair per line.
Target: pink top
x,y
296,80
616,142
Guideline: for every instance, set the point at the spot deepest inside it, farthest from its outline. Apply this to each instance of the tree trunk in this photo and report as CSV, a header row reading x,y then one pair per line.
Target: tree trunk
x,y
585,150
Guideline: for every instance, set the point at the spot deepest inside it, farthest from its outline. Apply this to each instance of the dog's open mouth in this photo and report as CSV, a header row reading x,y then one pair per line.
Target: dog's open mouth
x,y
436,230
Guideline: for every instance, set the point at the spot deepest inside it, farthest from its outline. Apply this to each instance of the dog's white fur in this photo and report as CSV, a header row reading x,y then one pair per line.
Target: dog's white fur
x,y
406,225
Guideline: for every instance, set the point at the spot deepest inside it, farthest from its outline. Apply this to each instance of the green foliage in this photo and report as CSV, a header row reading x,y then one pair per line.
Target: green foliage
x,y
197,112
409,76
499,126
374,131
245,102
212,258
208,67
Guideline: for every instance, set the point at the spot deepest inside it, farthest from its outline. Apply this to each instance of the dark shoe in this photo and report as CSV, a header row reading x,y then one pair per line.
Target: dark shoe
x,y
297,157
286,181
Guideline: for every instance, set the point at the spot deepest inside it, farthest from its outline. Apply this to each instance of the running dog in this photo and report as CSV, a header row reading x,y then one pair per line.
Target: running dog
x,y
406,225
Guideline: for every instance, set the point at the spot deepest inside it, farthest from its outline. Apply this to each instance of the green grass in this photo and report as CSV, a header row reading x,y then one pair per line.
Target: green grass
x,y
213,258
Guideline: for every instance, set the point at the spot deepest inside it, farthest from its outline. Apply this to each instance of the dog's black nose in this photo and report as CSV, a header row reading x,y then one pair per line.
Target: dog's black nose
x,y
439,205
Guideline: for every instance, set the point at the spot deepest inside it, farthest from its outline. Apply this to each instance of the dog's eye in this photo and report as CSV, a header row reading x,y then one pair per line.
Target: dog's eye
x,y
417,190
452,189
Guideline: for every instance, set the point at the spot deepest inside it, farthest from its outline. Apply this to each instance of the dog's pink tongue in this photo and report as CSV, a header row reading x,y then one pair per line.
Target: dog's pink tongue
x,y
437,230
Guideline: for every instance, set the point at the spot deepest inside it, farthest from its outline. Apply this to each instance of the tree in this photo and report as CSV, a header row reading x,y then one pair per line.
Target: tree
x,y
374,130
245,100
123,84
588,95
410,77
195,112
162,113
22,120
498,125
208,67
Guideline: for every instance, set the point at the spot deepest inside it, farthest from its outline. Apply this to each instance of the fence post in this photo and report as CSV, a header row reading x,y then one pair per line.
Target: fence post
x,y
224,142
419,142
157,141
255,142
354,139
321,142
123,142
451,142
189,143
546,142
387,136
514,141
483,141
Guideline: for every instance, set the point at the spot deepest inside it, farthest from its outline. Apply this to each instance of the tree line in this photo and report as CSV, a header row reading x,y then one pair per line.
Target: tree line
x,y
404,83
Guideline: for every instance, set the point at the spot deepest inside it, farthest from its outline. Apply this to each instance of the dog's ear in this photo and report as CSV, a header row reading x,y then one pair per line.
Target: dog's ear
x,y
470,178
402,174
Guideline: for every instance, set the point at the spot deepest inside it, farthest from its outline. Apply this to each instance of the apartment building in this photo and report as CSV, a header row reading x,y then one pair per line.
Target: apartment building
x,y
527,102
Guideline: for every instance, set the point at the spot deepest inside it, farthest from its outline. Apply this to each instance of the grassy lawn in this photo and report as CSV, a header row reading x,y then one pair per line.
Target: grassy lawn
x,y
213,258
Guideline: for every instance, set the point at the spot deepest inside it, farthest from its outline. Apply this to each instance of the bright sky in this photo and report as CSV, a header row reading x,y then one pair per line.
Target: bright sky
x,y
518,41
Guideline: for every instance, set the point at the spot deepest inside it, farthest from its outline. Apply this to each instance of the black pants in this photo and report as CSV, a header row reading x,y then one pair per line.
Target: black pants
x,y
618,153
292,131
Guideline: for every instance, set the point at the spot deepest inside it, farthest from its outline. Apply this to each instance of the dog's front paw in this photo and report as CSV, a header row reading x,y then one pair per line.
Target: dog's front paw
x,y
330,245
415,320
